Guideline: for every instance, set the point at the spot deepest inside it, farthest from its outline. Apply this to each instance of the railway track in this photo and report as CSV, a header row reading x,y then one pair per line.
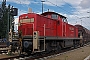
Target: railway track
x,y
39,56
3,50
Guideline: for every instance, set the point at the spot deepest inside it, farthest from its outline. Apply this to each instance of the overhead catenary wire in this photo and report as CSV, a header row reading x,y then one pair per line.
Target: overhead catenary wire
x,y
64,9
27,5
70,6
54,5
61,8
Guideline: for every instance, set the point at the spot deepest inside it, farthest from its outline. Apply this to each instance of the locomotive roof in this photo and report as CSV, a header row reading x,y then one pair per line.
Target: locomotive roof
x,y
45,13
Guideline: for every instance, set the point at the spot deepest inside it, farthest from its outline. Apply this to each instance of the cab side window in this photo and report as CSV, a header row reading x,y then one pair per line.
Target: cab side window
x,y
64,20
54,16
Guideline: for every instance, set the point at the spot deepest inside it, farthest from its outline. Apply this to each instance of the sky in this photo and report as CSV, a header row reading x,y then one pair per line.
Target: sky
x,y
76,11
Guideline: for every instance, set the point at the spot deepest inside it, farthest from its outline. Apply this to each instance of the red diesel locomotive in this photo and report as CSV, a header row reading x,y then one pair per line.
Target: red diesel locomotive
x,y
49,31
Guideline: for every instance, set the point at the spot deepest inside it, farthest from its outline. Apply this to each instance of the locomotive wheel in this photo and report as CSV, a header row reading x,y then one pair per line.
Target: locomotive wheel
x,y
19,51
58,48
48,48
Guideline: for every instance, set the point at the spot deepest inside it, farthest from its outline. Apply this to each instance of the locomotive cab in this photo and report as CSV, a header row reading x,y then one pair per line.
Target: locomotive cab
x,y
54,16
